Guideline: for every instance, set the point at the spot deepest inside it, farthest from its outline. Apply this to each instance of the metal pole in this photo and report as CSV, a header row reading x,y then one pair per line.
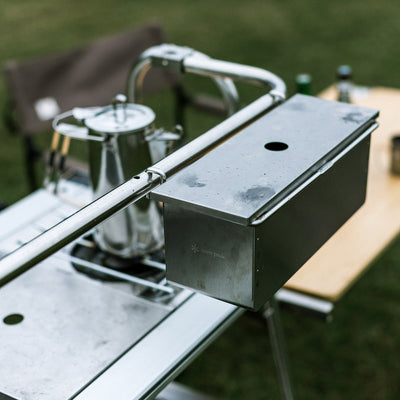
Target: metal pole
x,y
71,228
271,315
238,72
170,57
183,60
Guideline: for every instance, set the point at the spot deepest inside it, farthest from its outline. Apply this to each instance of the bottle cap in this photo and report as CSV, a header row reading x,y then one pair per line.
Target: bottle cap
x,y
303,83
344,72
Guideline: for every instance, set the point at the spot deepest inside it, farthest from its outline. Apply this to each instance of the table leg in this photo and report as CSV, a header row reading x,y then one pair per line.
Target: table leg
x,y
271,315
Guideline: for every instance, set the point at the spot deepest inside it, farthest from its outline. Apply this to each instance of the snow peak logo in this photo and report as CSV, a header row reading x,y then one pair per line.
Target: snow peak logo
x,y
196,250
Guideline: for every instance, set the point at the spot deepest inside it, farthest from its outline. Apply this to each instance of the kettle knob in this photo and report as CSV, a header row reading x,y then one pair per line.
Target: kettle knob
x,y
119,99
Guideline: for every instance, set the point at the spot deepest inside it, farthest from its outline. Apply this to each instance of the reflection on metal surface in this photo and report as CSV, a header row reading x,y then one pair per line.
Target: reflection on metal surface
x,y
60,328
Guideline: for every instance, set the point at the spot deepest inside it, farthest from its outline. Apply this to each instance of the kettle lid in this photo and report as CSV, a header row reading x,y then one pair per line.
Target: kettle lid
x,y
120,119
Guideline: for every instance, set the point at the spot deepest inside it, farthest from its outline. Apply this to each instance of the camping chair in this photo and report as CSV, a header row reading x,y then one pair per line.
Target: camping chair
x,y
90,75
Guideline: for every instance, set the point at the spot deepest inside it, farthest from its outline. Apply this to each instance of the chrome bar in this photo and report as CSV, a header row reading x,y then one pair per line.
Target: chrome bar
x,y
244,73
136,78
229,94
271,315
71,228
76,225
154,264
115,274
171,56
320,306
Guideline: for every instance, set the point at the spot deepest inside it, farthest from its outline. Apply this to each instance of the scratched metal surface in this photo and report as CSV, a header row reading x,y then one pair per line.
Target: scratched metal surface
x,y
241,177
73,328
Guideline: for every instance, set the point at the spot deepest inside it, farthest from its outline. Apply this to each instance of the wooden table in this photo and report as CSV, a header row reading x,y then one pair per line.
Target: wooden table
x,y
343,259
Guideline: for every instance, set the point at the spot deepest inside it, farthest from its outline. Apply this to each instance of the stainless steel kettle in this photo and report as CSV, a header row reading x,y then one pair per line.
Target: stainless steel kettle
x,y
118,137
123,142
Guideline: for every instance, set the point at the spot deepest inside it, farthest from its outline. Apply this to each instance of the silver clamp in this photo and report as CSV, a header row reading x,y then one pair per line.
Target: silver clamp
x,y
169,56
277,95
156,171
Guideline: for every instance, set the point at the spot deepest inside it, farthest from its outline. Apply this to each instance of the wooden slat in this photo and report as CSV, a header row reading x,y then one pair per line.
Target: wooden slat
x,y
342,260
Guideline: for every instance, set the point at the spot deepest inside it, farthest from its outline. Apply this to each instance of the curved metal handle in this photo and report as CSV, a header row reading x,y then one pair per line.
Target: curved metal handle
x,y
239,72
172,57
160,135
75,131
183,59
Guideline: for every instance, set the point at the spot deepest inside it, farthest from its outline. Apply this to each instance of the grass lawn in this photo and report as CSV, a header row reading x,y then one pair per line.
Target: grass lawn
x,y
356,356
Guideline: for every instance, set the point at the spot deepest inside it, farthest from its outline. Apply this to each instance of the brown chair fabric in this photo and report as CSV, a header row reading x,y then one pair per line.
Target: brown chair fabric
x,y
89,75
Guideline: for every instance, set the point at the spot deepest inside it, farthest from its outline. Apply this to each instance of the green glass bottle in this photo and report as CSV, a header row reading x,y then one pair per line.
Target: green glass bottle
x,y
303,84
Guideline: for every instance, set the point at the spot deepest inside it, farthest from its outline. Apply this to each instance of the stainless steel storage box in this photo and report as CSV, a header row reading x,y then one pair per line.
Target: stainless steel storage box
x,y
240,221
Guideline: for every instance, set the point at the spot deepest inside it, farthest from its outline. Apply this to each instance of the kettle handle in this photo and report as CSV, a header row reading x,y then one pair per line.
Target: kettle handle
x,y
75,131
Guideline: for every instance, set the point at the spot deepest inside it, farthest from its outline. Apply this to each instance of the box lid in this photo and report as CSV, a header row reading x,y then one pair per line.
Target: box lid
x,y
246,175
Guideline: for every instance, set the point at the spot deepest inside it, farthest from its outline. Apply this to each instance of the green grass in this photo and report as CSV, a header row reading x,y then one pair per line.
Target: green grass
x,y
355,356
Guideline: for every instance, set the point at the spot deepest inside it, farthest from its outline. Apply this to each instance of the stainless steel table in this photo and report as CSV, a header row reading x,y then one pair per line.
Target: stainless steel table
x,y
67,335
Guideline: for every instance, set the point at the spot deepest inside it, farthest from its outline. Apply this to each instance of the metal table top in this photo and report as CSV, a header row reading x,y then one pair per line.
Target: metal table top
x,y
81,338
249,173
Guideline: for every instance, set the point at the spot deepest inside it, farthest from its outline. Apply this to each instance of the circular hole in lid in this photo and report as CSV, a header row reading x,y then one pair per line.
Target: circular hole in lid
x,y
276,146
13,319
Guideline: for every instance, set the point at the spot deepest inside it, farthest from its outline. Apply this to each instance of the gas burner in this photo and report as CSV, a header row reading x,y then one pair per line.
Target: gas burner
x,y
144,277
87,250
